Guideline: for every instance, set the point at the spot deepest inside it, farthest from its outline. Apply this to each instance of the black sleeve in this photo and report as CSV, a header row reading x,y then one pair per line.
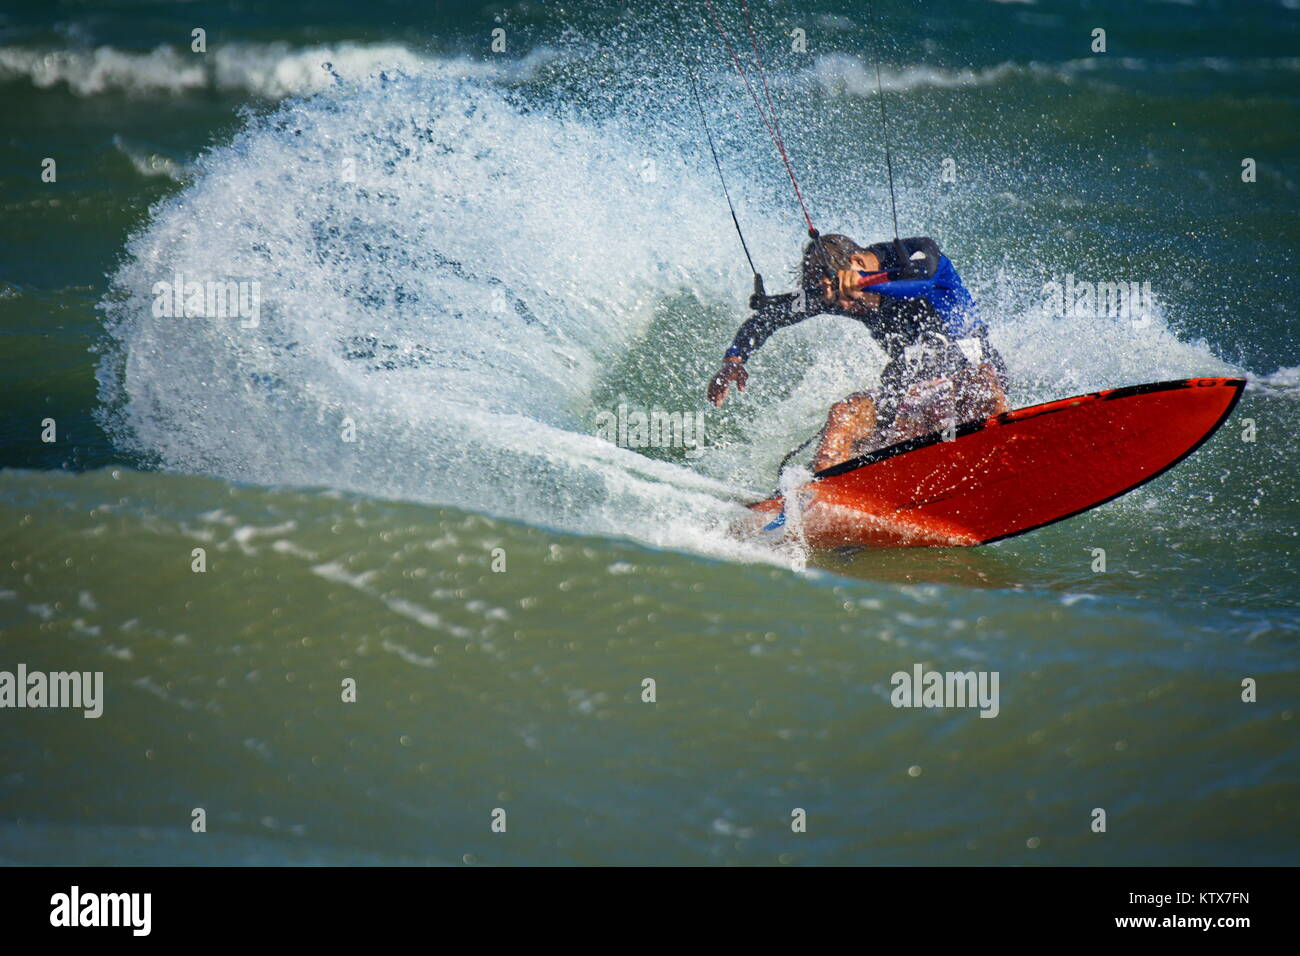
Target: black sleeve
x,y
778,312
893,326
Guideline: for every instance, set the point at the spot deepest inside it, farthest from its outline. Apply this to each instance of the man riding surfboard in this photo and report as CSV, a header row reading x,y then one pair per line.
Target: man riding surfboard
x,y
912,301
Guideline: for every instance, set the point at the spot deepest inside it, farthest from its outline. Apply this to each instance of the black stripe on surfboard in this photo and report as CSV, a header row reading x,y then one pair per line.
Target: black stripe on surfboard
x,y
1022,415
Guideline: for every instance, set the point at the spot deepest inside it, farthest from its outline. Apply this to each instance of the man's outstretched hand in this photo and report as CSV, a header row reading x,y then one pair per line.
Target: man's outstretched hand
x,y
733,370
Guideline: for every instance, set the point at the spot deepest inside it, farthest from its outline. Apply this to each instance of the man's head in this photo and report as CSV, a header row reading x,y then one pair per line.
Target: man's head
x,y
838,253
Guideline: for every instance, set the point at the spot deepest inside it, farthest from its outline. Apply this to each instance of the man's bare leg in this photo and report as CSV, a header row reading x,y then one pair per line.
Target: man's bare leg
x,y
978,394
998,396
850,420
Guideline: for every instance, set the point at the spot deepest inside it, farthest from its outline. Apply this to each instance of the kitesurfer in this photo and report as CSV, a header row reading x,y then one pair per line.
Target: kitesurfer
x,y
910,298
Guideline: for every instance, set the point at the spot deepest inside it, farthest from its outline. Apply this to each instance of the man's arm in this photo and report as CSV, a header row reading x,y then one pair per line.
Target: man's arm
x,y
904,283
943,290
773,312
770,313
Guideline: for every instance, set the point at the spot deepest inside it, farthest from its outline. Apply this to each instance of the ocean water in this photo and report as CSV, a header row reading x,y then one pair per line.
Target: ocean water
x,y
466,261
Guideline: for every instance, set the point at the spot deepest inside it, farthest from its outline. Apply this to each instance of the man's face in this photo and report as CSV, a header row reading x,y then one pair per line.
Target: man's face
x,y
854,300
865,261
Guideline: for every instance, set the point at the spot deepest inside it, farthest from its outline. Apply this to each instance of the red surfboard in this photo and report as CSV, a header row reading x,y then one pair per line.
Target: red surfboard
x,y
1008,474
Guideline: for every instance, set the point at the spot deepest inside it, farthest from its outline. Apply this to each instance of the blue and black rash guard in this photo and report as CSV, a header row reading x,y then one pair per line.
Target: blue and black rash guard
x,y
944,292
919,300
